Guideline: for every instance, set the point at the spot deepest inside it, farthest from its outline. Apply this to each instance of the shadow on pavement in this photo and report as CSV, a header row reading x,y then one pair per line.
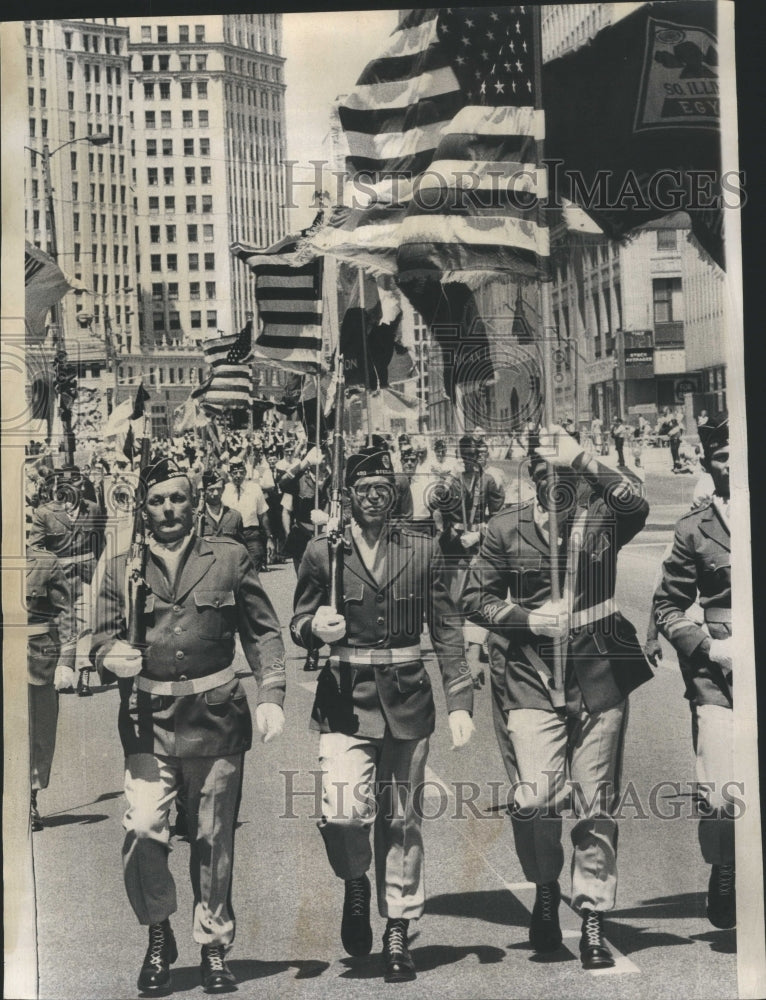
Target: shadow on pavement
x,y
630,938
723,941
562,954
427,958
497,906
70,819
687,904
247,970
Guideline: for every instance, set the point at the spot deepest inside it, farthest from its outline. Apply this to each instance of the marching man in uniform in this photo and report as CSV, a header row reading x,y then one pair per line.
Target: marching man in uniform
x,y
374,706
184,719
699,569
508,591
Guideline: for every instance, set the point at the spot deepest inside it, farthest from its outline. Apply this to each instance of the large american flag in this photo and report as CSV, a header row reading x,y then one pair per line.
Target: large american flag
x,y
288,293
230,382
444,130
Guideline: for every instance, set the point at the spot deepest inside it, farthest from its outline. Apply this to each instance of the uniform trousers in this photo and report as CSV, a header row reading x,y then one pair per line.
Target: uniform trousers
x,y
43,718
212,788
376,783
714,725
255,543
588,745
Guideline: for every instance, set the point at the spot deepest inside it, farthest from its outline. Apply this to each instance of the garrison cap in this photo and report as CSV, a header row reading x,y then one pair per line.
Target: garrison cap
x,y
714,434
161,472
368,462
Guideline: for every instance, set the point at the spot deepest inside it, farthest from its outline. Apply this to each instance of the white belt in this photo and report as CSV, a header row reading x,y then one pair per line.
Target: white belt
x,y
375,657
589,616
196,685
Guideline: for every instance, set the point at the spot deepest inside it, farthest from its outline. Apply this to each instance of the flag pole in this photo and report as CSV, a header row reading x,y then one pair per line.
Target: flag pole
x,y
365,363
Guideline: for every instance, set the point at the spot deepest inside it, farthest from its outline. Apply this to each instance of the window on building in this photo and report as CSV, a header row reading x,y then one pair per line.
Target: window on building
x,y
194,262
170,204
668,300
190,175
154,234
207,233
209,289
149,120
167,175
204,147
43,97
204,119
75,191
194,290
29,68
146,33
202,88
191,203
183,32
175,321
164,90
32,127
162,33
199,32
189,147
212,319
73,160
163,62
72,130
210,262
205,175
69,70
173,290
152,176
166,119
196,318
97,74
35,187
186,89
172,262
188,120
158,323
157,291
35,219
185,61
154,205
151,147
170,234
207,203
148,91
191,234
200,61
44,128
667,239
167,147
147,63
42,67
156,262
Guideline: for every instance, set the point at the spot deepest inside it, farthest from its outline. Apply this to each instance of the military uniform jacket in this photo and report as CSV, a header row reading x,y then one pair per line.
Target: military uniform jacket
x,y
50,617
698,568
190,633
76,541
365,699
511,576
229,524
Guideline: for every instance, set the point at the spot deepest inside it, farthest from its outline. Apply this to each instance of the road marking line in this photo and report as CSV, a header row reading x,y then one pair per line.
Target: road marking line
x,y
622,964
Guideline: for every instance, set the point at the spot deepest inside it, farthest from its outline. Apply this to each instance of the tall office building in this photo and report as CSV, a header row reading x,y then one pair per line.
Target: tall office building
x,y
208,135
77,85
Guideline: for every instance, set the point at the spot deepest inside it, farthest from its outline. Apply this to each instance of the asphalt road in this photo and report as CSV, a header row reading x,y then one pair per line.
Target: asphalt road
x,y
472,941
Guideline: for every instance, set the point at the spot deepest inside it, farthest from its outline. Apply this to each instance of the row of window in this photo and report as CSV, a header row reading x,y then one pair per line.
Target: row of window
x,y
205,203
252,97
171,375
166,119
163,62
252,68
163,88
171,262
167,147
192,233
160,290
94,252
103,281
168,175
195,320
162,33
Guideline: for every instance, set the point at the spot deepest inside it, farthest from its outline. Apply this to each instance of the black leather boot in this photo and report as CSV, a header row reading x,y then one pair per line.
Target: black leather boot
x,y
154,978
216,975
544,929
399,965
593,951
355,929
721,897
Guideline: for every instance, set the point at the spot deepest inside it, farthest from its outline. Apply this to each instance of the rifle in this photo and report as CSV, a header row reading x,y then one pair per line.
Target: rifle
x,y
136,588
335,523
200,513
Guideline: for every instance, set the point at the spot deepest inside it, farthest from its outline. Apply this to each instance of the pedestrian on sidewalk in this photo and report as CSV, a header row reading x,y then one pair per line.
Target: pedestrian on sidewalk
x,y
508,592
184,720
374,707
699,569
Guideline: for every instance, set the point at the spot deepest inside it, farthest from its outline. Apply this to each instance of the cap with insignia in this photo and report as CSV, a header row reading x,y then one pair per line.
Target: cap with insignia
x,y
368,462
714,434
160,472
210,478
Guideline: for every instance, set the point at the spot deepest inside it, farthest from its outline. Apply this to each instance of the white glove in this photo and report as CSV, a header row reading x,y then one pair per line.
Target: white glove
x,y
328,625
64,678
269,721
319,516
470,538
123,660
461,727
311,458
558,447
550,619
721,652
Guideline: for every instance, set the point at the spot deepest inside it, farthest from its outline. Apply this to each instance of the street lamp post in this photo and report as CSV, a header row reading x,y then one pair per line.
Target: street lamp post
x,y
65,380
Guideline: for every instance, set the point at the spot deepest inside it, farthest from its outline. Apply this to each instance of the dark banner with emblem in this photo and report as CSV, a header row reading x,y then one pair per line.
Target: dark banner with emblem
x,y
633,123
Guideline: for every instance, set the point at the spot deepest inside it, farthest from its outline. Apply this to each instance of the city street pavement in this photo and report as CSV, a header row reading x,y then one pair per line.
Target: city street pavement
x,y
472,941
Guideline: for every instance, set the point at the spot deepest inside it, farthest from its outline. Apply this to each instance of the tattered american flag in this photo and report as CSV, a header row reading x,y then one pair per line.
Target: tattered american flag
x,y
444,130
230,381
288,293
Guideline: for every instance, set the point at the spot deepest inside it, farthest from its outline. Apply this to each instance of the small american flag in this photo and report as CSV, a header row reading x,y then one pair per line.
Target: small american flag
x,y
230,381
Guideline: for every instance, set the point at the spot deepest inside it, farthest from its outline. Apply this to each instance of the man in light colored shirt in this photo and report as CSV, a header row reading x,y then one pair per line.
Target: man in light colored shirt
x,y
247,497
